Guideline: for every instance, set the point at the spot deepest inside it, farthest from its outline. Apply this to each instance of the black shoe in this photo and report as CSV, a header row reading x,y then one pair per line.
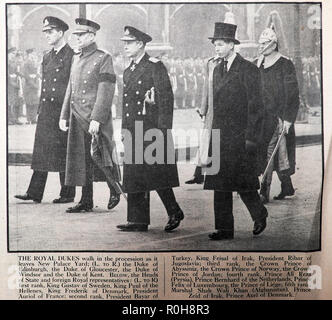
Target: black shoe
x,y
222,235
80,207
25,197
198,180
63,200
132,227
283,194
174,221
113,201
260,224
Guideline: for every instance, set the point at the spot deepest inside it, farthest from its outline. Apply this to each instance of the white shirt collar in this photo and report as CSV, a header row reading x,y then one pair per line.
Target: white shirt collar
x,y
59,49
137,61
230,60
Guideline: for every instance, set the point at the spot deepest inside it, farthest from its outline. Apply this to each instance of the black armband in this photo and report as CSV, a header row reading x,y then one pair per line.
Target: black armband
x,y
104,77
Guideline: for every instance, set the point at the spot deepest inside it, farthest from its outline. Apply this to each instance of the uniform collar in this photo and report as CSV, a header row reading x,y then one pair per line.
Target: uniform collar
x,y
138,60
60,48
89,49
271,61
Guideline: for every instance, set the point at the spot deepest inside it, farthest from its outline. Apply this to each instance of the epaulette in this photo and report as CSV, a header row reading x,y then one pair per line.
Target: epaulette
x,y
153,59
285,57
210,59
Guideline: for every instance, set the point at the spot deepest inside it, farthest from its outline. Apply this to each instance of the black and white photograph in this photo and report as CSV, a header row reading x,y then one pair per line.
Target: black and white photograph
x,y
163,127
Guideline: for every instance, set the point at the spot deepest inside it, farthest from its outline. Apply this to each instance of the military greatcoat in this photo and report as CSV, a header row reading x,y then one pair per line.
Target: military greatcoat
x,y
89,97
49,152
140,177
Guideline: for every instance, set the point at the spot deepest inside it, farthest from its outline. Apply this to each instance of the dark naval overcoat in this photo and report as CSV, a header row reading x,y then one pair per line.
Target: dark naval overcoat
x,y
49,151
146,175
237,114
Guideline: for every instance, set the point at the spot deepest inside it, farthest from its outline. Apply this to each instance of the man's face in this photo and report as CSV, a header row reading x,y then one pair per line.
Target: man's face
x,y
223,48
132,48
53,36
12,55
267,47
84,39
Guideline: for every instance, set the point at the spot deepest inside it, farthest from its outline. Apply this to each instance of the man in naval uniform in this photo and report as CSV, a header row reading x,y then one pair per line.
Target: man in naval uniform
x,y
147,104
49,151
88,109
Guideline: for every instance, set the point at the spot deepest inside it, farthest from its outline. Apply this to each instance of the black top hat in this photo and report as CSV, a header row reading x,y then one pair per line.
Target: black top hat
x,y
85,25
225,31
54,23
132,34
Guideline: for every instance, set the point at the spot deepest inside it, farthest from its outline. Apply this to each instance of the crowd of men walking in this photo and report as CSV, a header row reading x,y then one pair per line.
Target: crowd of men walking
x,y
251,105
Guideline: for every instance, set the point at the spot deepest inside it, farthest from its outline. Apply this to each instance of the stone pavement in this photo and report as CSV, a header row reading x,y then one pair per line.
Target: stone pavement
x,y
293,224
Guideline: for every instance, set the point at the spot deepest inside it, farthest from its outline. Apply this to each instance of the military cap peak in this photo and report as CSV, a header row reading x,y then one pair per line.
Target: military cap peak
x,y
50,22
85,25
133,34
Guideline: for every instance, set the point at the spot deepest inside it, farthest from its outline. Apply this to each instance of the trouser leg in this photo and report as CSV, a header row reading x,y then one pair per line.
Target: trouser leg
x,y
286,183
223,211
168,198
66,191
97,159
198,171
37,184
138,207
254,205
87,190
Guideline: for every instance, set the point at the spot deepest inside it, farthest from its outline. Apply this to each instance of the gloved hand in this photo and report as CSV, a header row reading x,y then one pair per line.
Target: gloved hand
x,y
94,128
286,126
63,125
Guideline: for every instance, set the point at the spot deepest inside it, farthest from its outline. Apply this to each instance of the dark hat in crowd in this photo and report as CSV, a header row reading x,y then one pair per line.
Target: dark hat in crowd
x,y
85,25
224,31
54,23
133,34
12,49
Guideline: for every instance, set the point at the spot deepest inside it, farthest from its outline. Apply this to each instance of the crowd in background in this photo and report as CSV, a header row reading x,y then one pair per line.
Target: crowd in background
x,y
187,76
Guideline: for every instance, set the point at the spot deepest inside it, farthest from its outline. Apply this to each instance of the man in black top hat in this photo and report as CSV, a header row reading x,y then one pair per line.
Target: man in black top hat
x,y
237,113
147,106
87,112
50,147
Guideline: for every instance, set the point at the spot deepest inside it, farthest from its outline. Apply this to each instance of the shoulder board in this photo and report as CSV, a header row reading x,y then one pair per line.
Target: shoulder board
x,y
153,59
285,57
210,58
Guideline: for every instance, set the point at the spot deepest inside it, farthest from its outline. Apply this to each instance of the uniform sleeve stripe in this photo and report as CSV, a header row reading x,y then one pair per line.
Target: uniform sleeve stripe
x,y
103,77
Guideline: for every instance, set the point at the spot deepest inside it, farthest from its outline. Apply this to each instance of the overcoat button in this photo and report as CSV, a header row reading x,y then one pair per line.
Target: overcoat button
x,y
139,112
53,89
84,81
126,104
54,79
83,100
83,91
52,99
57,70
137,92
44,99
138,102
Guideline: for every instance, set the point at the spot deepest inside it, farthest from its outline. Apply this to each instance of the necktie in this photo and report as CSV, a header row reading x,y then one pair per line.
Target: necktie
x,y
224,66
133,66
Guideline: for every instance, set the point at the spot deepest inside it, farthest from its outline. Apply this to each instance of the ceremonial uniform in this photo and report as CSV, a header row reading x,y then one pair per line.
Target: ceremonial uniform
x,y
89,97
50,145
139,116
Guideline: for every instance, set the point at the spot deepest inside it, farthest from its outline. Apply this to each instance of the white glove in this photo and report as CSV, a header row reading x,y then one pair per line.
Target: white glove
x,y
94,128
286,126
63,125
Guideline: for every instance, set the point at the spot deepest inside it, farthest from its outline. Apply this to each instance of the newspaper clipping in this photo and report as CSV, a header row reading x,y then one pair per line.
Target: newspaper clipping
x,y
165,151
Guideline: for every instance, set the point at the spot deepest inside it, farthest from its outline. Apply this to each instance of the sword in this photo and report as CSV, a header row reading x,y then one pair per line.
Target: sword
x,y
112,181
273,154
